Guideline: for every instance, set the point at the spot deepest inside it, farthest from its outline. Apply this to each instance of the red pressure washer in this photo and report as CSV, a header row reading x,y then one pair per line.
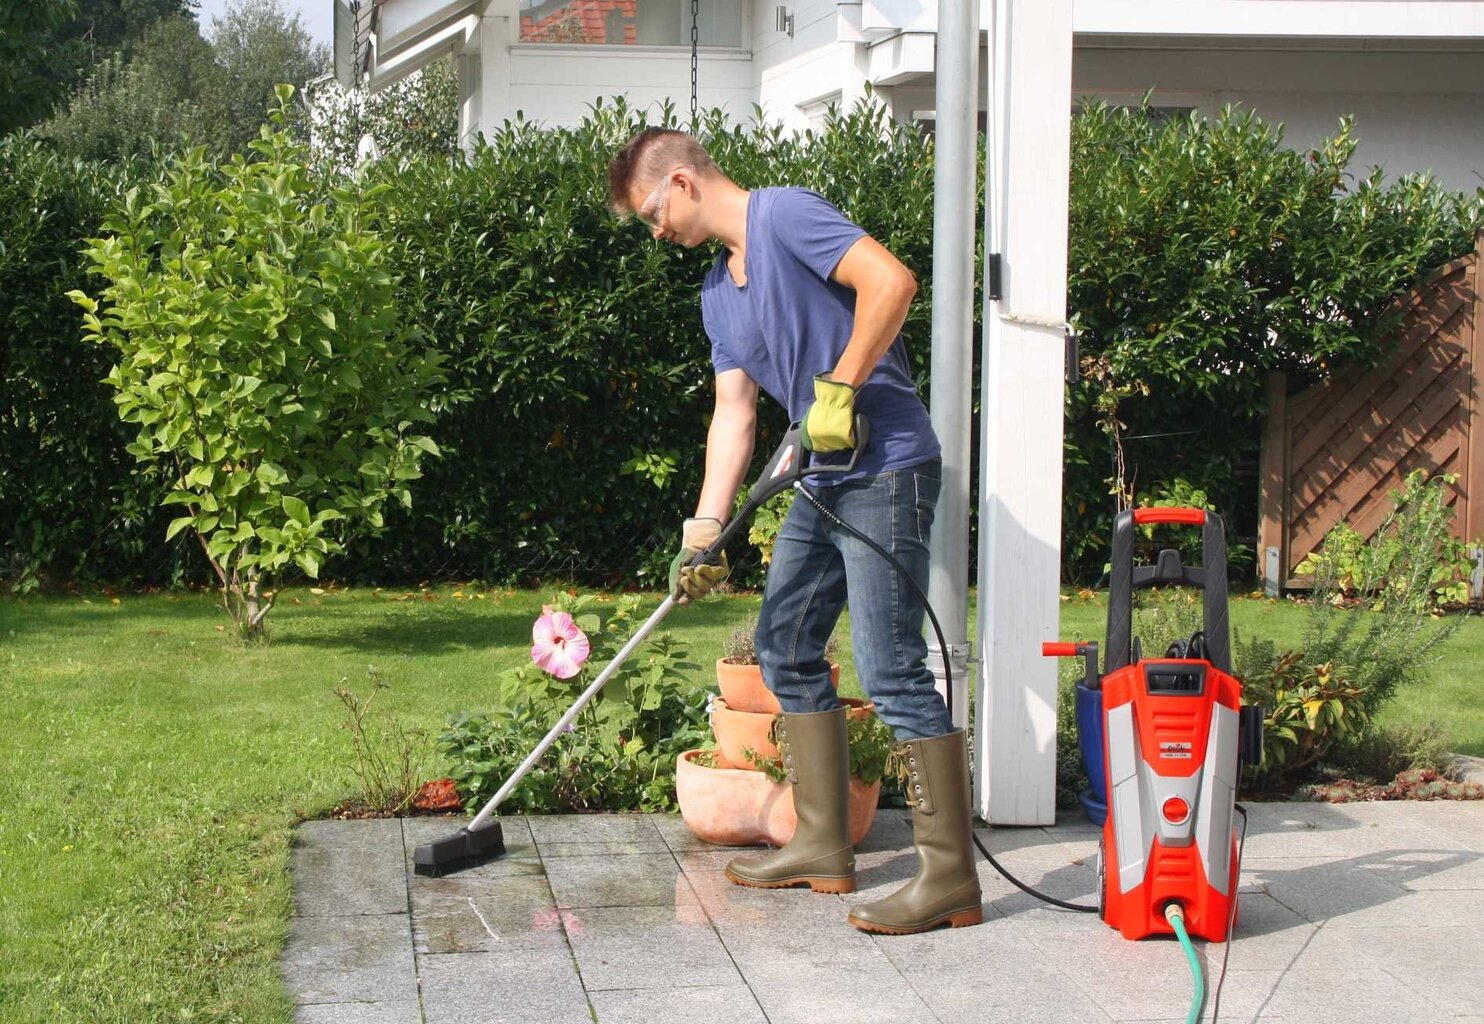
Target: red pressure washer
x,y
1175,735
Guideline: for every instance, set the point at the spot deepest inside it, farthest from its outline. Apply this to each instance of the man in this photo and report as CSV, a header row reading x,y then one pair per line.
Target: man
x,y
806,306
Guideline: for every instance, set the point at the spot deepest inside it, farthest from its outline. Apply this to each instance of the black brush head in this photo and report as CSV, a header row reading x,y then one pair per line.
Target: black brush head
x,y
463,849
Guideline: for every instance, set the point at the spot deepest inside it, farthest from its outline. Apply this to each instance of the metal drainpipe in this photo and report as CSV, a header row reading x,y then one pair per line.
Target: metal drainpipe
x,y
957,71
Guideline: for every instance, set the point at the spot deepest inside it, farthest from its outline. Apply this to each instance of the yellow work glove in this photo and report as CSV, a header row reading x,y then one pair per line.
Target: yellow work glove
x,y
829,422
688,582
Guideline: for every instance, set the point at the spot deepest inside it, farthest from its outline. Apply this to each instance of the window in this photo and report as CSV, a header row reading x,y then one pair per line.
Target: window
x,y
1159,115
630,22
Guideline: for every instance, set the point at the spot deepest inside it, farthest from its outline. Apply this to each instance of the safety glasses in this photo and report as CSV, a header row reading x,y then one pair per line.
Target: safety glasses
x,y
651,212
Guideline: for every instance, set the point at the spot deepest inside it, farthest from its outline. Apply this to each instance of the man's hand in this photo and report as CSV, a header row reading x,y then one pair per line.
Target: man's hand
x,y
688,582
829,422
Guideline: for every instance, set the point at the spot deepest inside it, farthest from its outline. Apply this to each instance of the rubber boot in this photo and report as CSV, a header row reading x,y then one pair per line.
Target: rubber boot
x,y
945,889
820,855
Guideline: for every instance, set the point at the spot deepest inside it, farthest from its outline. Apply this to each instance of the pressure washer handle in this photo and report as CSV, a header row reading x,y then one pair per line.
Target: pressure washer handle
x,y
790,462
1123,579
788,465
1176,516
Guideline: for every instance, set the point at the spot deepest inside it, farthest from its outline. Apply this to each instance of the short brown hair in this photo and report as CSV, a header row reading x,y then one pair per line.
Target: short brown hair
x,y
651,153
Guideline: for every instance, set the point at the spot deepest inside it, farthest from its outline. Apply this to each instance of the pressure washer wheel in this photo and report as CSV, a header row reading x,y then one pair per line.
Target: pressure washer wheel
x,y
1102,884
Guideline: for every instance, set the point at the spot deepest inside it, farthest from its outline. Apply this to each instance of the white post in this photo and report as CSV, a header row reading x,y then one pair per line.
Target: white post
x,y
471,94
1028,145
957,93
499,28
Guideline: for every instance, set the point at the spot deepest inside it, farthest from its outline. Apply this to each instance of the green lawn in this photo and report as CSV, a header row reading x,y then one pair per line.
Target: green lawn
x,y
155,768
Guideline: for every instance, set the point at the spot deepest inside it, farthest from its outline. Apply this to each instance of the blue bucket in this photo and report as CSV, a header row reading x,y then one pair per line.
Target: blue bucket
x,y
1094,799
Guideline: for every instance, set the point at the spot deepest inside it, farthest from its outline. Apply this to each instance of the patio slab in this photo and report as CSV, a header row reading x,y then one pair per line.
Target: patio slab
x,y
1349,914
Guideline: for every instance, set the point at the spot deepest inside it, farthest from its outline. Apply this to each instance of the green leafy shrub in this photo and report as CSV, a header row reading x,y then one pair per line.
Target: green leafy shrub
x,y
1312,708
581,339
620,752
1322,700
1202,254
1412,560
1384,752
1392,644
263,360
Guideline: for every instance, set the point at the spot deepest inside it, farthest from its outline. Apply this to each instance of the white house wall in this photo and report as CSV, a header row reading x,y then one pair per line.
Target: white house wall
x,y
1295,19
556,84
1413,111
796,77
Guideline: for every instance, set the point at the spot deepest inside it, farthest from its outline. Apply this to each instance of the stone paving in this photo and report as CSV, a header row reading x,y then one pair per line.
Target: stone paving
x,y
1351,913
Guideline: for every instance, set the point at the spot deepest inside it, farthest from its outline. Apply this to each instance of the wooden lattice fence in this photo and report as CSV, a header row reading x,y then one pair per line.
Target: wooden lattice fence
x,y
1334,452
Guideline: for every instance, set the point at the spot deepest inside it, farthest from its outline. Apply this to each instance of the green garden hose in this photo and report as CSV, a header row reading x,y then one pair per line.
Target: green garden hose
x,y
1176,917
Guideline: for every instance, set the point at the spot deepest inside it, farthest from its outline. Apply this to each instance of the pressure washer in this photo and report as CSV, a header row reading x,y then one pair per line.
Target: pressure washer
x,y
1174,738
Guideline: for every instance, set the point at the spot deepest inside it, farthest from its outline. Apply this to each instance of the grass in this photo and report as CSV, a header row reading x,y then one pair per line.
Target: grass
x,y
156,768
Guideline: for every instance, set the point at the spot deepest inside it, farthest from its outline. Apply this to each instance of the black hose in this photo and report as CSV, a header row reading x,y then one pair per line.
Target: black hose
x,y
1231,921
831,517
1081,908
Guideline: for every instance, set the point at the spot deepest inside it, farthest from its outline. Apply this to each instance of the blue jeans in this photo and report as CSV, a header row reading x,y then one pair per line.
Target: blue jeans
x,y
818,568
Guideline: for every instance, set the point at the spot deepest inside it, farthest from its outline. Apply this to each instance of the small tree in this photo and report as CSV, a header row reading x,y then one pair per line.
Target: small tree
x,y
263,359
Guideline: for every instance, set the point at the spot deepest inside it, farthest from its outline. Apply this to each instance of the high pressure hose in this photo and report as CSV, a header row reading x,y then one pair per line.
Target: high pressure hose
x,y
834,519
1175,915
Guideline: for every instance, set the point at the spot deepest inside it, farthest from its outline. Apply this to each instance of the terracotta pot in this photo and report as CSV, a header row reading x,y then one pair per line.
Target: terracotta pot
x,y
734,807
739,731
744,689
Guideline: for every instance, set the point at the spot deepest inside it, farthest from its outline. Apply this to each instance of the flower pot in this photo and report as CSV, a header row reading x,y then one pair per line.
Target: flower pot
x,y
739,731
735,807
744,689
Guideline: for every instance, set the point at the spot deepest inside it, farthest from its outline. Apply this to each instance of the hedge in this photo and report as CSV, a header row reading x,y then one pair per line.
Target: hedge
x,y
1202,254
70,500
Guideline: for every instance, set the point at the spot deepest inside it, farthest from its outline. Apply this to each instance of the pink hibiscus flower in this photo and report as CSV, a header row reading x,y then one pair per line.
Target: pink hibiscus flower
x,y
558,646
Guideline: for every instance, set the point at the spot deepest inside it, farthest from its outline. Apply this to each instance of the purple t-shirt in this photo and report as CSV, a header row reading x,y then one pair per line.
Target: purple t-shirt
x,y
790,322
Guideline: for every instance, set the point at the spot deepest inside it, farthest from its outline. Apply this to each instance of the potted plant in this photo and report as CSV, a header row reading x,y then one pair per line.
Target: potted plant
x,y
740,679
737,805
744,736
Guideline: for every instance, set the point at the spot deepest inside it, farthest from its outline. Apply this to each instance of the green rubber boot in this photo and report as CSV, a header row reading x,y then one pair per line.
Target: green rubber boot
x,y
820,855
945,889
